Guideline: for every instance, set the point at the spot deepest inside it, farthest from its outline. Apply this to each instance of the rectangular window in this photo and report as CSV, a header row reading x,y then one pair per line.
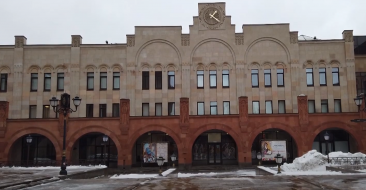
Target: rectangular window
x,y
47,82
158,80
145,80
200,79
281,106
171,108
200,108
361,82
309,77
158,109
255,105
32,111
226,107
213,79
213,108
324,106
145,109
46,111
225,79
335,75
90,81
4,82
102,110
89,110
337,106
322,77
60,81
115,110
255,82
267,78
103,81
269,107
116,79
171,79
311,106
34,81
280,78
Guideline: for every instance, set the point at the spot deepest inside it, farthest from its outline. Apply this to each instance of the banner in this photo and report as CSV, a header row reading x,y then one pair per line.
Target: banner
x,y
270,149
151,151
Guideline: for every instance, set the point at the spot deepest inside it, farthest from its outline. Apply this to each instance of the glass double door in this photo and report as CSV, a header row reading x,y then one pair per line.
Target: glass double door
x,y
214,154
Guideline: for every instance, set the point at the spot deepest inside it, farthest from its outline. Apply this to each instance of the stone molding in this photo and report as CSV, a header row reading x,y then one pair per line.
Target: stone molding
x,y
130,40
185,39
239,39
76,40
20,41
294,37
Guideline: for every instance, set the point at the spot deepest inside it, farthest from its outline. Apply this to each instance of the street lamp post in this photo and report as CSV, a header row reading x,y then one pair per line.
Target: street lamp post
x,y
64,108
29,141
160,162
173,157
358,101
278,161
105,140
259,157
326,138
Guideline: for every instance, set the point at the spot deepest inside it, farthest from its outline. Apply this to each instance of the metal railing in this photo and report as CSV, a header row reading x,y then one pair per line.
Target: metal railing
x,y
347,160
43,163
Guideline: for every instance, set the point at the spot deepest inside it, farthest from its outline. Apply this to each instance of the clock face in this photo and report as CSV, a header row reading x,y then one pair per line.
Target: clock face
x,y
212,16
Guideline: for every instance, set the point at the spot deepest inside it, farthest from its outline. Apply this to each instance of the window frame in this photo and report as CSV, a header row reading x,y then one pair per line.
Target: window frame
x,y
115,76
312,76
158,80
325,75
223,108
91,110
45,78
335,72
161,109
169,108
254,74
213,106
281,75
4,76
34,78
102,110
265,103
313,102
284,108
322,104
115,110
203,104
201,73
171,74
145,83
88,76
30,112
148,110
265,71
103,75
228,78
45,113
58,81
213,73
259,107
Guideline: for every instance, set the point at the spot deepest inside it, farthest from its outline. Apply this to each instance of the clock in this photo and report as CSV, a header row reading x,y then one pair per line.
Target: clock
x,y
212,16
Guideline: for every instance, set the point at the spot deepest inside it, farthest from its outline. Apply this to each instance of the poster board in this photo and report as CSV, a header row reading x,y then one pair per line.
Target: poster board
x,y
151,151
270,149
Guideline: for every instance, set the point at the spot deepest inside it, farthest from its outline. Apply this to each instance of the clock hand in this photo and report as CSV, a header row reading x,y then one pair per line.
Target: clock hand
x,y
212,16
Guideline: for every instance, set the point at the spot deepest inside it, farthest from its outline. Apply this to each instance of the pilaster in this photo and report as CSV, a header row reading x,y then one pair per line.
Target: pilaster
x,y
4,113
184,115
302,102
124,116
243,113
16,106
350,66
76,41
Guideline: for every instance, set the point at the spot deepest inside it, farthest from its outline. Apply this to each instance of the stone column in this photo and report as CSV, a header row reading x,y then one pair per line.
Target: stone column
x,y
350,73
184,156
16,108
72,83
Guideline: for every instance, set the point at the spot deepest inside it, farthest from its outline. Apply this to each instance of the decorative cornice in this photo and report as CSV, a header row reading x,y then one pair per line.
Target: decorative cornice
x,y
185,39
130,40
294,37
239,39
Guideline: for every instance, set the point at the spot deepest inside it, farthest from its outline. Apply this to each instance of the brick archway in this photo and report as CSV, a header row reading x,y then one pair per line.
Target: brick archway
x,y
295,136
338,125
92,129
33,130
149,128
217,126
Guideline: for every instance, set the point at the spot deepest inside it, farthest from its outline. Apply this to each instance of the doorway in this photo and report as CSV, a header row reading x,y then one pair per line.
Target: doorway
x,y
214,157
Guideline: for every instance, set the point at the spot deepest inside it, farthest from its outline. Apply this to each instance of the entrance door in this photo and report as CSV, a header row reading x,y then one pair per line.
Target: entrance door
x,y
99,154
214,154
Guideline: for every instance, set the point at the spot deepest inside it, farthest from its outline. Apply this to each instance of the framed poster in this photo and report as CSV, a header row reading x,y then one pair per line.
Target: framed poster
x,y
270,149
162,150
151,151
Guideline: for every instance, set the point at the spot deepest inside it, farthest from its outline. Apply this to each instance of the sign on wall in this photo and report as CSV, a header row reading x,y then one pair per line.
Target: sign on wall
x,y
151,151
270,149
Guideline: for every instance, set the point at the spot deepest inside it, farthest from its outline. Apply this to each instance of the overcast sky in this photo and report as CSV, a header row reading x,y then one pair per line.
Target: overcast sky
x,y
54,21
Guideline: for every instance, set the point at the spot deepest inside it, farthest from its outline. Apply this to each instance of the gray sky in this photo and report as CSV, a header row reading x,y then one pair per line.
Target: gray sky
x,y
54,21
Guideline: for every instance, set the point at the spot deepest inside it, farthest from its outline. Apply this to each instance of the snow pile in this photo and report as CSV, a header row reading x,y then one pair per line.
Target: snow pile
x,y
342,154
312,160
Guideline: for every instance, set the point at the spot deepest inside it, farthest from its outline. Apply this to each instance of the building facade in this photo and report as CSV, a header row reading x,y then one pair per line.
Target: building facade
x,y
212,95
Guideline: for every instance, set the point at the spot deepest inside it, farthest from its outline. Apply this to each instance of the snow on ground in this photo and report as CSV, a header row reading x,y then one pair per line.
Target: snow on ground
x,y
140,176
48,170
235,173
